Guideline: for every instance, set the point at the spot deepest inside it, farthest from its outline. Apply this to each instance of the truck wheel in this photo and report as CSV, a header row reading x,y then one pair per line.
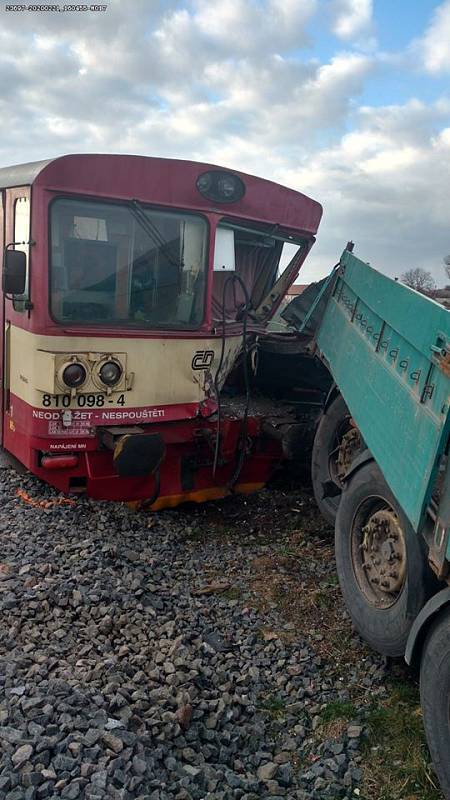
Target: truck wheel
x,y
383,572
336,444
435,696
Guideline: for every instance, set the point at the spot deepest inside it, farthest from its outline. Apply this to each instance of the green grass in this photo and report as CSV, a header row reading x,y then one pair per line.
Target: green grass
x,y
287,552
232,594
396,760
275,706
338,711
324,599
330,583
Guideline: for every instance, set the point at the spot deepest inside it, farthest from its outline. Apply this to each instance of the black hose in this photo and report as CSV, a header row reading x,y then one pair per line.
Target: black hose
x,y
232,280
146,504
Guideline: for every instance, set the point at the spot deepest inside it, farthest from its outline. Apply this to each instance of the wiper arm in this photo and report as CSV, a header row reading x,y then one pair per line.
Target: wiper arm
x,y
151,229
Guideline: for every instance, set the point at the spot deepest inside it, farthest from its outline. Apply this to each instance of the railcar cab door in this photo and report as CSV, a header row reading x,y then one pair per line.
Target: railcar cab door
x,y
14,237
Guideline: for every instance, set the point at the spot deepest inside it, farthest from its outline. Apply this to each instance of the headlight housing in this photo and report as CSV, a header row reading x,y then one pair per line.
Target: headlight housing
x,y
74,375
110,373
89,372
220,186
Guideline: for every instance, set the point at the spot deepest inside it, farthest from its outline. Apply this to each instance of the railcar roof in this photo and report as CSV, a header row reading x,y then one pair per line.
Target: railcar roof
x,y
166,181
21,174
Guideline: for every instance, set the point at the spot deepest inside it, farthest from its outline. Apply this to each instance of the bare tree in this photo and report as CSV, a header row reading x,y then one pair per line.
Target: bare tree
x,y
447,266
419,279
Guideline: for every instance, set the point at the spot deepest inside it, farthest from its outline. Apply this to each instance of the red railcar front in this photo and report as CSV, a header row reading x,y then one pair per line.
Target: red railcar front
x,y
148,284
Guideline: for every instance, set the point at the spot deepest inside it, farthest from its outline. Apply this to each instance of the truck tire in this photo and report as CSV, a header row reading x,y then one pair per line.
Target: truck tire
x,y
382,567
334,424
435,696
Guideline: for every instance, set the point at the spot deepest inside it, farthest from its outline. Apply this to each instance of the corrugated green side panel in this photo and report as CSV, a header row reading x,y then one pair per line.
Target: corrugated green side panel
x,y
377,337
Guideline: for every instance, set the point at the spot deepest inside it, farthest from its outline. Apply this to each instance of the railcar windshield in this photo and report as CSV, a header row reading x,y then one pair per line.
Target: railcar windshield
x,y
126,265
262,259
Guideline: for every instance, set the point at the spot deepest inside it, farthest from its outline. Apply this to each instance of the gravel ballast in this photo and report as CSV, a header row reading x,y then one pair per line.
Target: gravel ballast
x,y
142,657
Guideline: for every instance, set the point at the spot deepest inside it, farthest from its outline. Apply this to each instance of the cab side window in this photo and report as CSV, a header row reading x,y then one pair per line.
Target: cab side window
x,y
22,237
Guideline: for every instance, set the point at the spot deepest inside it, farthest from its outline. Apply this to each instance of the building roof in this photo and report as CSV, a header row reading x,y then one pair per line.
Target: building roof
x,y
296,289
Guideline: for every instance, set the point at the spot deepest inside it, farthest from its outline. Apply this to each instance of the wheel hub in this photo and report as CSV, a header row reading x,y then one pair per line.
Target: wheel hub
x,y
383,554
349,447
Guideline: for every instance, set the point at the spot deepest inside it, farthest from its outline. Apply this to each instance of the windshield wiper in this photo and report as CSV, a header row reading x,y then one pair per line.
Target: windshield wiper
x,y
150,228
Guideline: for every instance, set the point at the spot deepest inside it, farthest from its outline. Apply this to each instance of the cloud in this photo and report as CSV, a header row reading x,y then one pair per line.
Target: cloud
x,y
351,19
233,82
207,77
384,185
246,26
435,44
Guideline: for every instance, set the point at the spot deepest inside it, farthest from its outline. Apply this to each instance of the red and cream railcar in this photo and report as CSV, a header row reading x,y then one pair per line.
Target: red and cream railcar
x,y
135,291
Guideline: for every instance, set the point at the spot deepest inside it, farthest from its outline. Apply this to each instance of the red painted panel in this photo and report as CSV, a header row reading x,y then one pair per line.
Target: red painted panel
x,y
47,422
173,182
164,182
187,466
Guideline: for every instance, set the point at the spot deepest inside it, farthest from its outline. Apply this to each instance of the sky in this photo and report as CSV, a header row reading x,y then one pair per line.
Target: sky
x,y
347,101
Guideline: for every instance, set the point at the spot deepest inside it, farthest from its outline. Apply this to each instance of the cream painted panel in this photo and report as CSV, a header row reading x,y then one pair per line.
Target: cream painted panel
x,y
162,368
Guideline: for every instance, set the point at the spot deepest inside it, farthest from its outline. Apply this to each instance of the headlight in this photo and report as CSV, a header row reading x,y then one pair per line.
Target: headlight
x,y
74,375
221,187
110,373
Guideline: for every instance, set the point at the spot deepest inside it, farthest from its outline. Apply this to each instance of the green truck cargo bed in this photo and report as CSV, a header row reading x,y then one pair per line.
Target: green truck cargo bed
x,y
388,350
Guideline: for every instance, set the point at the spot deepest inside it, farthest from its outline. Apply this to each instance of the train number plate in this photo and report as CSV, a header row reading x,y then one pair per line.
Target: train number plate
x,y
81,400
